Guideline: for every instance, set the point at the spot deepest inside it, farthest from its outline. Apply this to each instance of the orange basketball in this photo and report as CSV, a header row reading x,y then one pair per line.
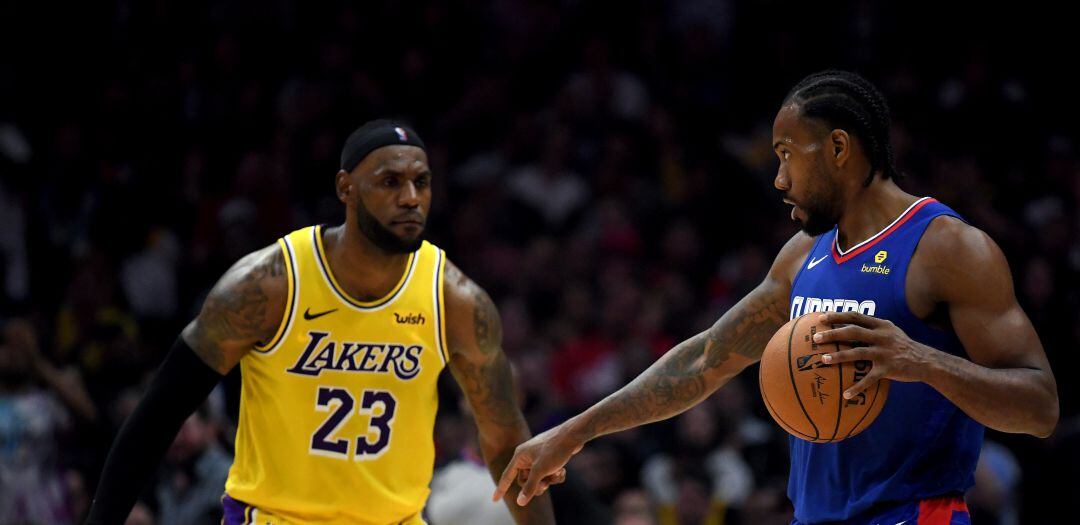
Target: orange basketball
x,y
805,395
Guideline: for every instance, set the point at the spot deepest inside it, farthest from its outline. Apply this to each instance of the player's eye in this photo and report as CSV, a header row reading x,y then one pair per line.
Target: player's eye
x,y
784,154
421,182
390,182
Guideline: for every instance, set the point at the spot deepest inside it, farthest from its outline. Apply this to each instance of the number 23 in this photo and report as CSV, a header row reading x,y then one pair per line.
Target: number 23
x,y
324,444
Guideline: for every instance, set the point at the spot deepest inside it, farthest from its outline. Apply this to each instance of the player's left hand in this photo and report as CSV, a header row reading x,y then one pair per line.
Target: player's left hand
x,y
894,355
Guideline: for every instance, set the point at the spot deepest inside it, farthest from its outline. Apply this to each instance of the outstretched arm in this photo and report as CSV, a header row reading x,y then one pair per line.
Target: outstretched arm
x,y
474,337
1007,384
685,375
243,309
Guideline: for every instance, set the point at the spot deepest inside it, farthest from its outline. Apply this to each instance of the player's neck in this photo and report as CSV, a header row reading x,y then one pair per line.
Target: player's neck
x,y
869,210
363,269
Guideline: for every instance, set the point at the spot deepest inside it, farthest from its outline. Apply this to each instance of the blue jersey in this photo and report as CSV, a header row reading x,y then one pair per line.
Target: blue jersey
x,y
921,445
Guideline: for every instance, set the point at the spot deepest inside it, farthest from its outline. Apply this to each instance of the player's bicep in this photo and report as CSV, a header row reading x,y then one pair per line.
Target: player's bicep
x,y
243,309
978,291
477,362
997,338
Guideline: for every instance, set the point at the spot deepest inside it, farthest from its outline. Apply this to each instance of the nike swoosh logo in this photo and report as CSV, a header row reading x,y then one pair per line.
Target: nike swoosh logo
x,y
812,264
309,316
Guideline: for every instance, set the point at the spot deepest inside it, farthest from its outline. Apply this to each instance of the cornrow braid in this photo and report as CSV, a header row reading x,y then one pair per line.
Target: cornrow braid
x,y
845,100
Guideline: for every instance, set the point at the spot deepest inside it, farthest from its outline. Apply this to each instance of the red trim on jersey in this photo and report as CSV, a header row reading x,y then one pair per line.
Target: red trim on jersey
x,y
939,511
877,238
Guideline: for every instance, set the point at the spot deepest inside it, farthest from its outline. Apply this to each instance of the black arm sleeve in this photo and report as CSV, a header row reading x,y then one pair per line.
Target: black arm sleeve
x,y
180,386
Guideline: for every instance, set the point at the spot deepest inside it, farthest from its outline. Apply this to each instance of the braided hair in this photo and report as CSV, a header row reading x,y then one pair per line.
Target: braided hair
x,y
845,100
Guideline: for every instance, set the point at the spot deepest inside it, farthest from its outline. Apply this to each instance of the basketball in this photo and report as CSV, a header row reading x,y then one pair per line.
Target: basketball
x,y
806,396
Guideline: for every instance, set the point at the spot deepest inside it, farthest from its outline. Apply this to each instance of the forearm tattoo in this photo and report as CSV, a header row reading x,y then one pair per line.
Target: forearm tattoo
x,y
679,379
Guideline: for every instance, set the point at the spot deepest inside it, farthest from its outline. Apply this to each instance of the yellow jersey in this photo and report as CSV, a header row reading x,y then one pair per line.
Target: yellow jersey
x,y
337,411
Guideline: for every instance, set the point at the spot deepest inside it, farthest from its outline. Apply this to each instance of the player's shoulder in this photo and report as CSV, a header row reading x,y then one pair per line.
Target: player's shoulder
x,y
955,260
461,292
245,307
798,246
791,256
471,315
950,240
264,267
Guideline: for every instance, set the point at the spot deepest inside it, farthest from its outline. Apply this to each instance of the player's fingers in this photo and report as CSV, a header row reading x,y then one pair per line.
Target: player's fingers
x,y
557,477
851,332
850,318
861,353
548,482
507,478
554,479
871,379
528,490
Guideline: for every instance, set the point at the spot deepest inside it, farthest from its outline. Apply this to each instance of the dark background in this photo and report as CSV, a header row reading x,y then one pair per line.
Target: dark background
x,y
603,169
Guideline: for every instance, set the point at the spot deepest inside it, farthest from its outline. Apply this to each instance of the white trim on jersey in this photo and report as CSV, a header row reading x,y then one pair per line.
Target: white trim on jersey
x,y
843,252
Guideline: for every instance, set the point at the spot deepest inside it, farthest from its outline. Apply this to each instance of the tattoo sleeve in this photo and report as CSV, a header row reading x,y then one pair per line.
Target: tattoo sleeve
x,y
243,309
484,374
695,368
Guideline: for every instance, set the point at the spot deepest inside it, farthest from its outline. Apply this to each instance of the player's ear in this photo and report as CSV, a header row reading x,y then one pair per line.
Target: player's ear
x,y
344,186
840,144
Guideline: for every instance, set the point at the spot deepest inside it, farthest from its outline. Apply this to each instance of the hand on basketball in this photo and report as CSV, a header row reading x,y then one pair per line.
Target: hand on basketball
x,y
537,464
894,355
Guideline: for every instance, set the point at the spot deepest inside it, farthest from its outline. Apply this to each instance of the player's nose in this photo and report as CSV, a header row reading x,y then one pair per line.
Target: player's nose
x,y
409,196
782,182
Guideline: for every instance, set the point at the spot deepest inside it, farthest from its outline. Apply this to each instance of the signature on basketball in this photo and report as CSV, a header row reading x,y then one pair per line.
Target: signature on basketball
x,y
816,388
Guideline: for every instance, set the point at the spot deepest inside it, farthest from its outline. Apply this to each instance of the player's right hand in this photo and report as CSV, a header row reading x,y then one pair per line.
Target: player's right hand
x,y
541,458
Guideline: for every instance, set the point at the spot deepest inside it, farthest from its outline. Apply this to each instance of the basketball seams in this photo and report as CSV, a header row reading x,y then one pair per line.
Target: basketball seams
x,y
776,387
877,388
776,415
794,386
840,394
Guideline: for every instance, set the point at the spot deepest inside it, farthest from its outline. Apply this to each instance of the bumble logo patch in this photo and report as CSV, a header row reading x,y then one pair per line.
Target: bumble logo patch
x,y
880,269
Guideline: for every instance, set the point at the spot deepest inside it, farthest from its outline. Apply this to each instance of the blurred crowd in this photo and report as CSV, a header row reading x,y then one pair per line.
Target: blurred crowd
x,y
603,169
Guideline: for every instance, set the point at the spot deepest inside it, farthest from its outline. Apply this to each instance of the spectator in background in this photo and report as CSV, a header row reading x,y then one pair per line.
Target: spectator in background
x,y
550,191
460,488
633,507
997,477
14,259
702,477
193,475
149,277
37,401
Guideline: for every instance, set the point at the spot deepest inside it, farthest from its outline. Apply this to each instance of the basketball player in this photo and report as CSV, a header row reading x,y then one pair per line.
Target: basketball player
x,y
340,333
930,295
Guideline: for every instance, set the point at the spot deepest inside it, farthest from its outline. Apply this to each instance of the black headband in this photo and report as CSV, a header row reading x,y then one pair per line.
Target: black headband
x,y
374,135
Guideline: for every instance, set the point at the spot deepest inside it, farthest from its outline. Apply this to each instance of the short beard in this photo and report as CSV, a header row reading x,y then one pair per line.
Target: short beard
x,y
821,207
818,222
381,236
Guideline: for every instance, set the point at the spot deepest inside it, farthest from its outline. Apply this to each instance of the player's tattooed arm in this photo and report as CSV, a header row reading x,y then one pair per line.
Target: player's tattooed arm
x,y
477,361
680,379
244,308
694,369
